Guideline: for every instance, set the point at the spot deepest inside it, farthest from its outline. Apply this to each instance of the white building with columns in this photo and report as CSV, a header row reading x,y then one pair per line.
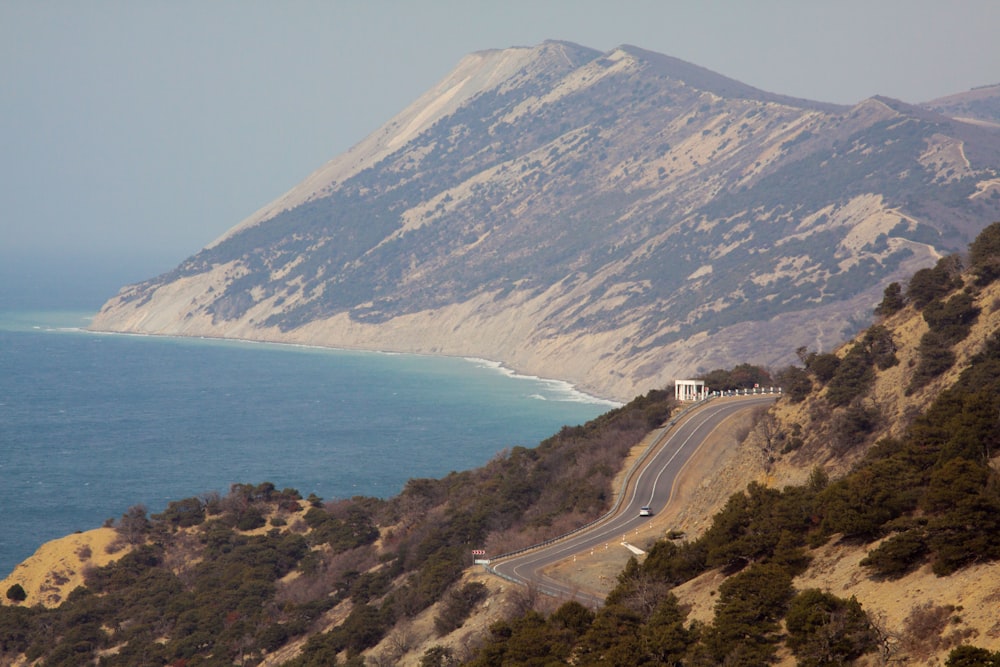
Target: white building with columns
x,y
690,390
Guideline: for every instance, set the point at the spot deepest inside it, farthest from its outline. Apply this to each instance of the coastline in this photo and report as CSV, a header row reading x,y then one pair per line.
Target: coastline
x,y
317,428
45,319
574,393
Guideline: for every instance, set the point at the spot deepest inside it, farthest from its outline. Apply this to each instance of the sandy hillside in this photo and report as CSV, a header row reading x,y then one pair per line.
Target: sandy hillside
x,y
53,571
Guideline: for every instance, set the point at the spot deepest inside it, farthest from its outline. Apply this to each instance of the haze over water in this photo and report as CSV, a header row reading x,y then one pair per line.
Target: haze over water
x,y
91,424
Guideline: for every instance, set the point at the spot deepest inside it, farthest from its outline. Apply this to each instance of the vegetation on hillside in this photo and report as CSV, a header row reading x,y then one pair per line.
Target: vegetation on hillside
x,y
227,580
932,495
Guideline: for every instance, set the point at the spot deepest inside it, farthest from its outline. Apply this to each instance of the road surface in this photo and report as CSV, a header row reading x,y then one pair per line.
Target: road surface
x,y
651,484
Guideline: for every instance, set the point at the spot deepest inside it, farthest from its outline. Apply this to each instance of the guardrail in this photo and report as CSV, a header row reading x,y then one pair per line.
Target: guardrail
x,y
665,429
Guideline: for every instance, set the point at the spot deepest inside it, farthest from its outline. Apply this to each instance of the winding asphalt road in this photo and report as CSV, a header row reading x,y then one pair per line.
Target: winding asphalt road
x,y
651,483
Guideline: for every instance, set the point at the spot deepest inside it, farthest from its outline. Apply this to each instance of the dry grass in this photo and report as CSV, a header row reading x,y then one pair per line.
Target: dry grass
x,y
57,567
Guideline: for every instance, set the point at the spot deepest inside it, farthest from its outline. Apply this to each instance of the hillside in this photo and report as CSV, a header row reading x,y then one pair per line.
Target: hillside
x,y
262,573
868,533
980,105
613,219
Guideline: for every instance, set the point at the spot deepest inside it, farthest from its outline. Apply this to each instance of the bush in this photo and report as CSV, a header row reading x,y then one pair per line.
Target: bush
x,y
458,604
824,629
742,376
984,254
852,426
880,346
251,519
972,656
853,377
929,284
16,593
952,319
795,383
438,656
134,525
746,616
898,555
183,513
892,301
823,366
936,357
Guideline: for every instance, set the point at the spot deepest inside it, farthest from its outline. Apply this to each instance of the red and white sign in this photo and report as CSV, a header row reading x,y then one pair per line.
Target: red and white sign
x,y
479,552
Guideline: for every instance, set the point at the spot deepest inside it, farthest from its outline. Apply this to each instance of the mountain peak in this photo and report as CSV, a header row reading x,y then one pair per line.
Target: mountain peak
x,y
614,219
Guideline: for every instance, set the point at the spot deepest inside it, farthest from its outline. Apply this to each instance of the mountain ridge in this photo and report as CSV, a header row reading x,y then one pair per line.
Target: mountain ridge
x,y
446,95
592,217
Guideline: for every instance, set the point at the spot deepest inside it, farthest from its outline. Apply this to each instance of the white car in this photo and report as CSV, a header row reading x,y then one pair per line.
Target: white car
x,y
645,511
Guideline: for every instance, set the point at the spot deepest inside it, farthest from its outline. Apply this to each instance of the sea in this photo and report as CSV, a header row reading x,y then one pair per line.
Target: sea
x,y
92,424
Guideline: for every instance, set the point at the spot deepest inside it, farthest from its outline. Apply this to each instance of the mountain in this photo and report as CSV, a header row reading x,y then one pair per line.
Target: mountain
x,y
613,219
979,105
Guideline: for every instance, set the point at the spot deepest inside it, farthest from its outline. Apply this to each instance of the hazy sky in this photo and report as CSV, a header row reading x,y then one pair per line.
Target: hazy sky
x,y
132,133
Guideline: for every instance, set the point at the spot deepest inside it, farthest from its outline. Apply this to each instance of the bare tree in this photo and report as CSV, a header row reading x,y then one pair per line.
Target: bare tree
x,y
767,434
134,525
888,641
523,599
399,642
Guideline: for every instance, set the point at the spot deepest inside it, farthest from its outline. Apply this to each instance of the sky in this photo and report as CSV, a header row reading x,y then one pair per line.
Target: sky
x,y
133,133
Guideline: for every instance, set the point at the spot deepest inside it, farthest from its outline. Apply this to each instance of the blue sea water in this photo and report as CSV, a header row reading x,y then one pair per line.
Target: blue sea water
x,y
91,424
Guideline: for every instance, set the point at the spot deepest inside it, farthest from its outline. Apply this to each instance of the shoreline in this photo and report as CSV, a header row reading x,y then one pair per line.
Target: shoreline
x,y
481,362
69,330
573,393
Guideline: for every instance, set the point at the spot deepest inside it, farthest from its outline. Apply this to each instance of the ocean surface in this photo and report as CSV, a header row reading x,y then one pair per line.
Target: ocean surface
x,y
91,424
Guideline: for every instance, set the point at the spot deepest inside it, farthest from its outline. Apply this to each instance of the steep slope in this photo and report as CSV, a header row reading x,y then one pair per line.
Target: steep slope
x,y
868,533
614,219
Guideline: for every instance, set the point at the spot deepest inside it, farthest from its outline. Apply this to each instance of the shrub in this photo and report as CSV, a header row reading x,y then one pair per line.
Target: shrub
x,y
880,346
134,525
438,656
929,284
746,615
183,513
795,383
972,656
924,627
936,357
852,426
251,519
965,534
853,377
742,376
458,604
898,555
16,593
860,504
824,629
952,319
892,301
984,254
823,366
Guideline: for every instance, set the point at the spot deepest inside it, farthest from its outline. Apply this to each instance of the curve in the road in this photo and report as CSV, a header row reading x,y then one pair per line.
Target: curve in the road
x,y
651,484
